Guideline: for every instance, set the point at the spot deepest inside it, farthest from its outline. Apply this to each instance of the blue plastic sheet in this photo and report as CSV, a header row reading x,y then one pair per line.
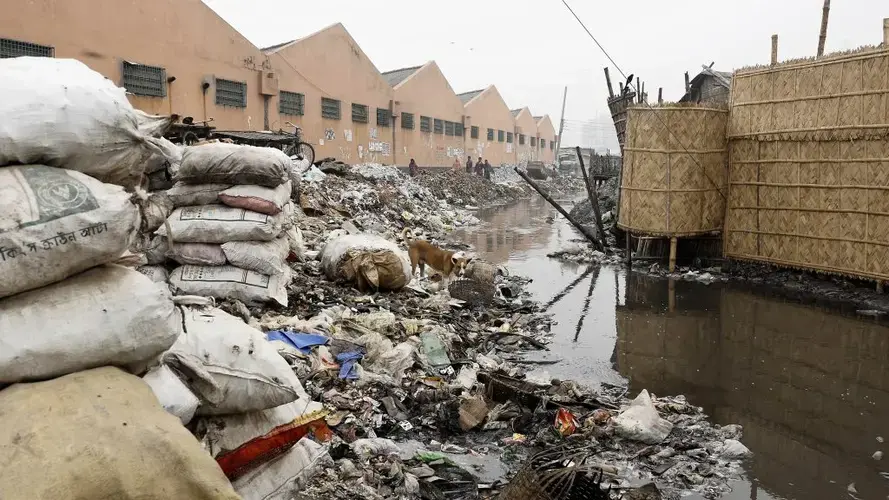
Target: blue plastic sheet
x,y
304,342
347,364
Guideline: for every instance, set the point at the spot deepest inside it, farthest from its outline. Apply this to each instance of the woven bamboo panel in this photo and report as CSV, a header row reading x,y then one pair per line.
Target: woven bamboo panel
x,y
675,177
809,165
618,106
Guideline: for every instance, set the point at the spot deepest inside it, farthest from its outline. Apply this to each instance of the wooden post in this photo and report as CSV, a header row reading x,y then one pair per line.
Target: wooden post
x,y
687,83
879,286
629,239
774,49
660,95
638,85
593,194
673,242
671,295
822,37
886,32
642,93
608,80
591,237
561,127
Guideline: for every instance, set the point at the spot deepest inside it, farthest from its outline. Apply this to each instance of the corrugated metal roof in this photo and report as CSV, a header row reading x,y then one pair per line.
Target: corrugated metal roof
x,y
397,76
515,112
468,96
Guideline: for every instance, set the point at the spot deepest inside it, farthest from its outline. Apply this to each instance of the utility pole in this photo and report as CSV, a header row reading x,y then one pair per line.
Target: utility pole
x,y
561,127
822,38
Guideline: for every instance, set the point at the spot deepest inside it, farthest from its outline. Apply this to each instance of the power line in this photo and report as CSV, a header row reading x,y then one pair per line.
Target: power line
x,y
630,84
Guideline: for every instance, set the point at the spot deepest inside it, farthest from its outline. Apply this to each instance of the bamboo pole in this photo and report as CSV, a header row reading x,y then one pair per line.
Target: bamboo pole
x,y
673,243
591,237
660,95
886,31
608,80
822,37
593,194
774,49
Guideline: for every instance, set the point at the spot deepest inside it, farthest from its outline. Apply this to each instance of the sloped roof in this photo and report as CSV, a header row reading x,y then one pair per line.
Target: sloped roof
x,y
397,76
515,112
538,118
274,48
468,96
271,49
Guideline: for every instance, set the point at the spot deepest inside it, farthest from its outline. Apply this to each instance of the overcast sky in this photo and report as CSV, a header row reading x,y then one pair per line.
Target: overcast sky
x,y
531,49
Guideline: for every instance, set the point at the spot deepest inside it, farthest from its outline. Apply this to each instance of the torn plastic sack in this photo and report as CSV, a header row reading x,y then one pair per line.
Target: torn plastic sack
x,y
641,422
109,315
154,248
220,224
157,274
257,198
61,113
188,195
374,447
154,209
266,257
230,282
222,163
283,477
295,238
385,359
56,223
367,261
100,434
197,254
347,361
172,393
230,365
242,442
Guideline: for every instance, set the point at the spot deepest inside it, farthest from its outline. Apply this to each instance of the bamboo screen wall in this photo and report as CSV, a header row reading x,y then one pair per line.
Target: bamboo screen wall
x,y
675,172
809,165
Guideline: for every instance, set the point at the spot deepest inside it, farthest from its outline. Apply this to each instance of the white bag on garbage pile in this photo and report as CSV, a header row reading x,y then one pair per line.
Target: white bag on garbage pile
x,y
172,393
198,254
60,113
153,247
220,224
155,209
157,274
55,223
222,163
100,434
257,198
186,195
283,476
109,315
266,257
374,447
230,282
297,244
367,261
231,366
640,421
384,358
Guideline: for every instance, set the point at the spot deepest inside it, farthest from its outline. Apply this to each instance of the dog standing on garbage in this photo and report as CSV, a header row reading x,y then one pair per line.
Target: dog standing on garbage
x,y
421,253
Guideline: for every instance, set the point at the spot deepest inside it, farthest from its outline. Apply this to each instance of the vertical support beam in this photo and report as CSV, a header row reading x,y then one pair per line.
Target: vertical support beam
x,y
593,194
880,286
660,95
886,32
392,122
774,49
687,83
671,294
629,240
562,122
673,243
608,81
822,36
638,86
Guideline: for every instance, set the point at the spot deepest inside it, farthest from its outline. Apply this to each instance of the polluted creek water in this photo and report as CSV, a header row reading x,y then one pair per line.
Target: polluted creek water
x,y
809,384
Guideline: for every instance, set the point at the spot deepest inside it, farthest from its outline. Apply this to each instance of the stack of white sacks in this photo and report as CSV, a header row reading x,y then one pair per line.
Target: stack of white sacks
x,y
77,325
231,229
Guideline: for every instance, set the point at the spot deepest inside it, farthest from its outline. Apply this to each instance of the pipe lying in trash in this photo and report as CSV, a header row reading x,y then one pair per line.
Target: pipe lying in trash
x,y
584,231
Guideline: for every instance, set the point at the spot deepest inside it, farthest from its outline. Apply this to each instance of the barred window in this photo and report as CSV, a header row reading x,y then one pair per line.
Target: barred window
x,y
449,128
231,93
490,134
509,137
330,108
473,132
542,143
500,136
438,126
521,139
552,145
533,142
407,121
459,131
383,117
425,124
144,80
291,103
359,113
16,48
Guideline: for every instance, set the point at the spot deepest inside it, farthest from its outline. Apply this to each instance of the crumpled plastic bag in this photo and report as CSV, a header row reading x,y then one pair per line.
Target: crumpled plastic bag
x,y
641,422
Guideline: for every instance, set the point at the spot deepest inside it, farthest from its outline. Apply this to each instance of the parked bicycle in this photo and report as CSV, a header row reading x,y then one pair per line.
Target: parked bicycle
x,y
298,148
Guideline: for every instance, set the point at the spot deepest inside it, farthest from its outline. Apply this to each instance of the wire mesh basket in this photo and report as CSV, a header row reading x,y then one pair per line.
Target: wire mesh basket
x,y
473,292
559,473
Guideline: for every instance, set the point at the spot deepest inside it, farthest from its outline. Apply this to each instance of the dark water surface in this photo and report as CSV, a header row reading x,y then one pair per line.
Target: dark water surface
x,y
810,385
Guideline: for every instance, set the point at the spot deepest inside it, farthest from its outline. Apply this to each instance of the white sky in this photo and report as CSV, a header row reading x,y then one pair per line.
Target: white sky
x,y
531,49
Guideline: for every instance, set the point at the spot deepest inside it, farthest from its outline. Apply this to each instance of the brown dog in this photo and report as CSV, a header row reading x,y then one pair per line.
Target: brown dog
x,y
421,253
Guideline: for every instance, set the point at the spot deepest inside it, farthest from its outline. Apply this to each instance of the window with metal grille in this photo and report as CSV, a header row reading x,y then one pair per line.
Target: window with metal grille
x,y
459,131
231,93
542,143
490,134
509,137
407,121
500,136
449,128
473,132
359,113
383,117
552,145
521,139
291,103
330,108
533,142
145,80
425,124
438,126
16,48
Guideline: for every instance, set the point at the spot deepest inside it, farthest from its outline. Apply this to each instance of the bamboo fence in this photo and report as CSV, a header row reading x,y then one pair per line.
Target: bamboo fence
x,y
674,178
618,105
809,165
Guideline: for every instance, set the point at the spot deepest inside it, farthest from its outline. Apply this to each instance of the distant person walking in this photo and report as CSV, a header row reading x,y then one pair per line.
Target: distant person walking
x,y
479,167
457,165
488,170
468,164
413,169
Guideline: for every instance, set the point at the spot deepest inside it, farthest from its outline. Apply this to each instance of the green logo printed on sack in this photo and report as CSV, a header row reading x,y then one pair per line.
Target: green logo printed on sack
x,y
57,194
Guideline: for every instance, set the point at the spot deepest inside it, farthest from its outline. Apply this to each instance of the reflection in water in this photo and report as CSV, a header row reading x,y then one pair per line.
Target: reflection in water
x,y
809,385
